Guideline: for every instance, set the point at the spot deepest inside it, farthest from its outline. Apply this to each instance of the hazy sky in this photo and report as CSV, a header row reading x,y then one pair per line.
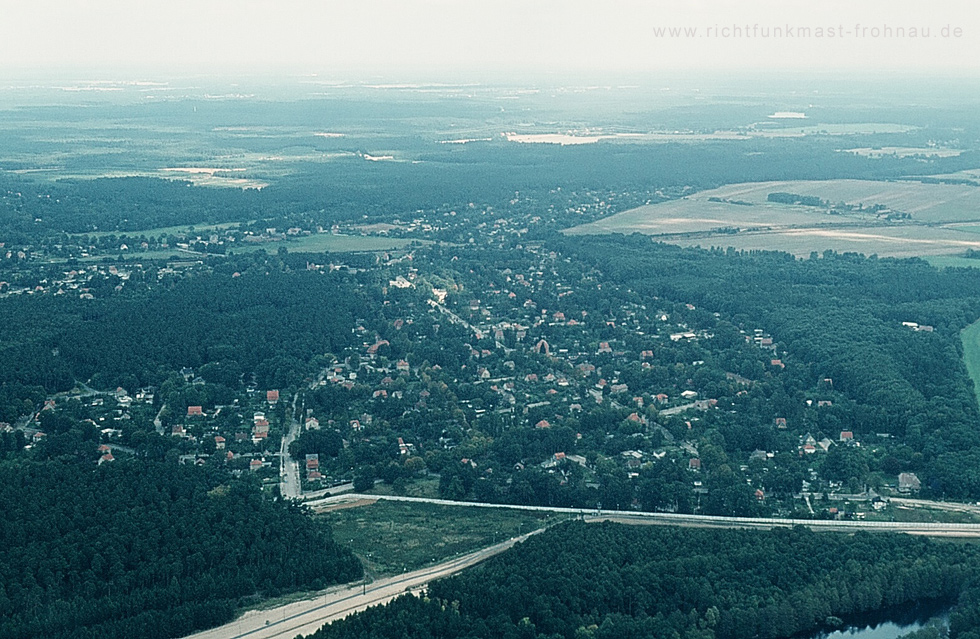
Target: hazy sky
x,y
335,36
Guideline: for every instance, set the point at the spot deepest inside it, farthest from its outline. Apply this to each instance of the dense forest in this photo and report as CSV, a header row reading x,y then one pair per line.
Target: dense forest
x,y
580,581
263,320
142,549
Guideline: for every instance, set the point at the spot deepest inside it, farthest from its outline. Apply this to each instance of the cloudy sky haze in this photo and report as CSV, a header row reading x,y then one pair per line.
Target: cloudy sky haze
x,y
332,36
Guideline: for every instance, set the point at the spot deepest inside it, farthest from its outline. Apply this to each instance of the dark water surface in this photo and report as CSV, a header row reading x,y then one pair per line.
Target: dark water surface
x,y
891,623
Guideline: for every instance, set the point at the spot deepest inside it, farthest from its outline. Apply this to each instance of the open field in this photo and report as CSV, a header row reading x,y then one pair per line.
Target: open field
x,y
952,261
968,175
943,218
186,229
392,537
971,354
230,178
428,488
766,130
891,241
322,242
924,202
318,243
903,151
698,215
914,514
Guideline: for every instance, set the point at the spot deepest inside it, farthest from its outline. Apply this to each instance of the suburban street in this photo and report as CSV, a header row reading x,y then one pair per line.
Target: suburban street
x,y
289,477
157,424
305,617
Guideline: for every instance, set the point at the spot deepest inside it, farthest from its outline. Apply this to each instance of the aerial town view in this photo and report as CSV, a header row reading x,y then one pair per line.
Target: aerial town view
x,y
563,320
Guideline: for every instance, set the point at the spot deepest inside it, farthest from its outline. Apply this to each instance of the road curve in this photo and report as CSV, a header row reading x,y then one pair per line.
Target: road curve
x,y
305,617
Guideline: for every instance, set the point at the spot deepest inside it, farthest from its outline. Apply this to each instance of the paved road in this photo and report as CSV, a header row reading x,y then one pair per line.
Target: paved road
x,y
973,509
456,319
157,424
305,617
289,478
930,529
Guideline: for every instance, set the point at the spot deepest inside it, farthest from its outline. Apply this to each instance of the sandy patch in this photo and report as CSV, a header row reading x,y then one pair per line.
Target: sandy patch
x,y
344,505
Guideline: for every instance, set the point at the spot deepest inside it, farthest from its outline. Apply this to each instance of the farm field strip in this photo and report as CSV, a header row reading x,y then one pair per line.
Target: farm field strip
x,y
970,337
943,218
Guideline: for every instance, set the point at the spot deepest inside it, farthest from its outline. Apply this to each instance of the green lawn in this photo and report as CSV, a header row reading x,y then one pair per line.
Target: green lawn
x,y
971,353
428,488
940,261
394,537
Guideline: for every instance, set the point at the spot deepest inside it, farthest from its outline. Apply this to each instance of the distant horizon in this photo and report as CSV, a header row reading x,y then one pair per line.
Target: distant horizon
x,y
785,90
475,76
504,36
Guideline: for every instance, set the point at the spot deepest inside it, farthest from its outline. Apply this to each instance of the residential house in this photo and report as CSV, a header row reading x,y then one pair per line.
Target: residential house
x,y
373,348
908,483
